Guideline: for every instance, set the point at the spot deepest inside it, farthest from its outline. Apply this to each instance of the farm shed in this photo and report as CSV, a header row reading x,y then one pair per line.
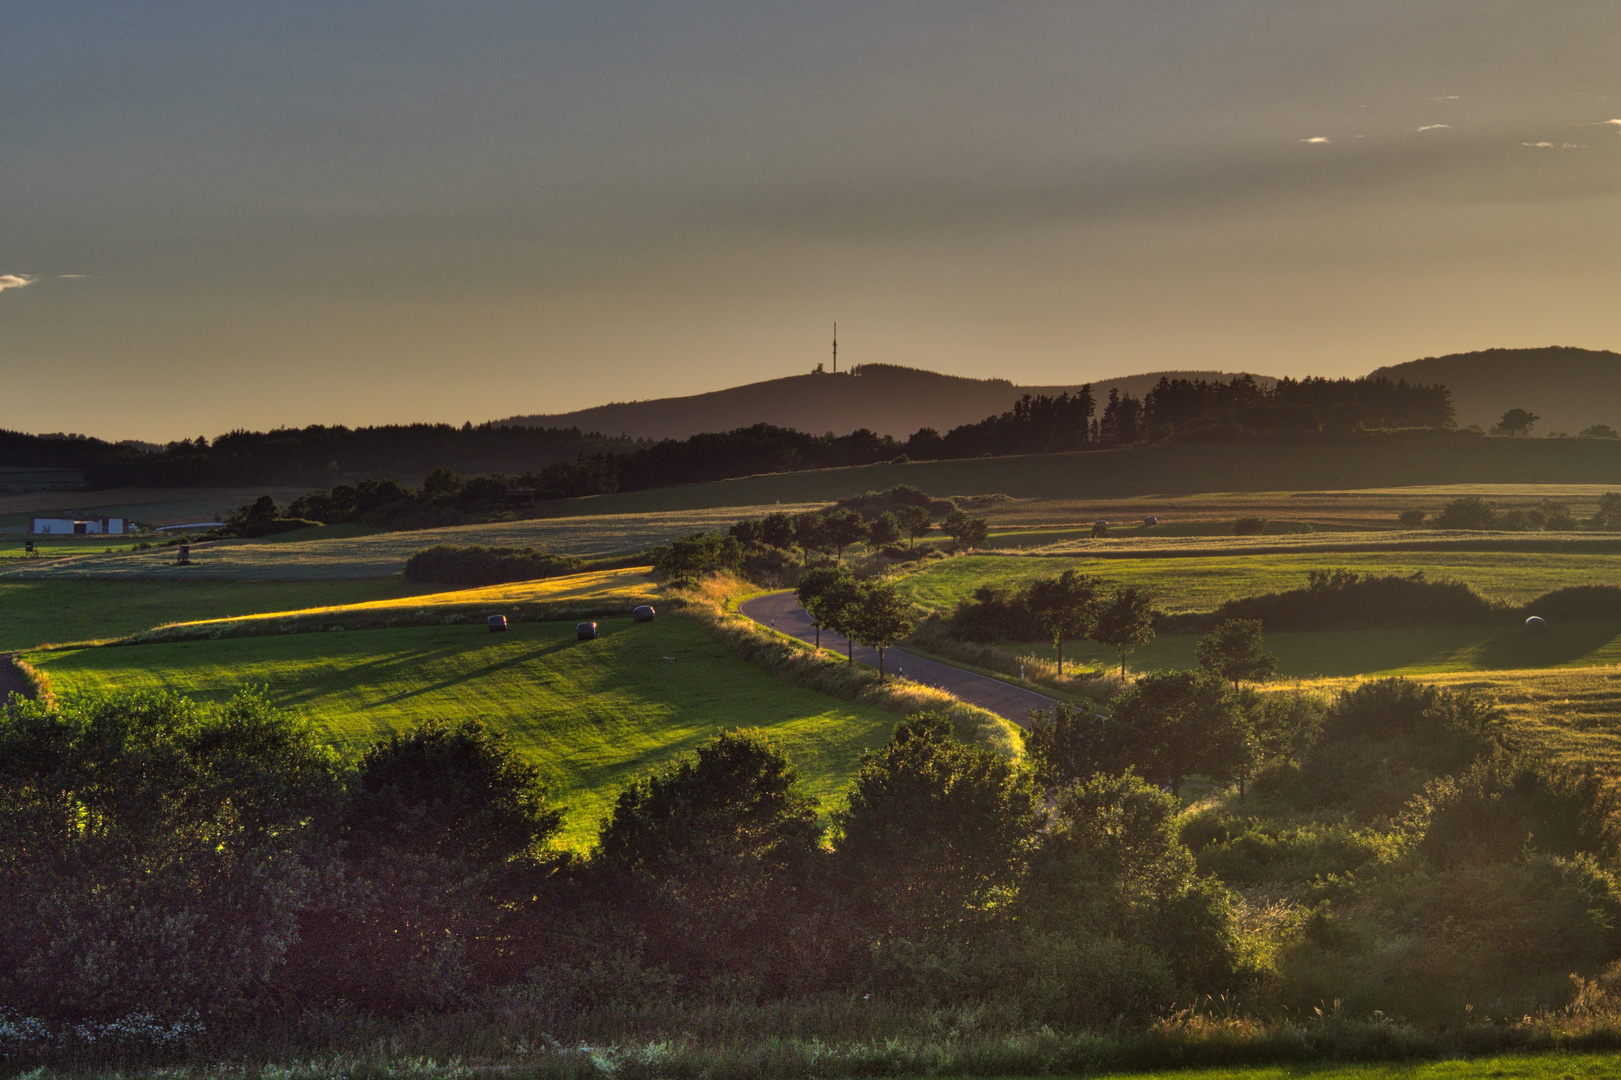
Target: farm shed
x,y
79,526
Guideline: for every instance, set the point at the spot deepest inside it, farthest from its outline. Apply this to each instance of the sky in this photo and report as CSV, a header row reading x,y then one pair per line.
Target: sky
x,y
221,216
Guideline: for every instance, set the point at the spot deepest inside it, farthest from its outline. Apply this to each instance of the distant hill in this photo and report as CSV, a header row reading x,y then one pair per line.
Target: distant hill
x,y
884,398
1569,388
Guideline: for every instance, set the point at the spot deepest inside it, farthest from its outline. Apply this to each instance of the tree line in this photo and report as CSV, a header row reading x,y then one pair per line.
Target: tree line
x,y
569,462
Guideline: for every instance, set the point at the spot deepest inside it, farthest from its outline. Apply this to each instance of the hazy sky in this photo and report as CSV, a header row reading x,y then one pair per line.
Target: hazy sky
x,y
247,215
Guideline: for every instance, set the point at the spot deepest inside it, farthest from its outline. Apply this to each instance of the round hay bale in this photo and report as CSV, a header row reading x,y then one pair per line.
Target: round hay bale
x,y
645,613
586,631
1535,627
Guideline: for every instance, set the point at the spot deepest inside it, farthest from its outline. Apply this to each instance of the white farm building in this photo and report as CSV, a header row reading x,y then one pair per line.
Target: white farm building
x,y
78,526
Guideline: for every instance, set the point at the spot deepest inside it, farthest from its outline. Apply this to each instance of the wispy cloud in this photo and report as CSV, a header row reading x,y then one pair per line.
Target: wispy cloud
x,y
1316,139
72,277
1554,145
1449,97
1434,127
1607,123
14,281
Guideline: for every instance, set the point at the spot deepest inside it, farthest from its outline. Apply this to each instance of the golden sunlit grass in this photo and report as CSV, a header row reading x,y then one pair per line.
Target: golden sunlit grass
x,y
600,592
1574,714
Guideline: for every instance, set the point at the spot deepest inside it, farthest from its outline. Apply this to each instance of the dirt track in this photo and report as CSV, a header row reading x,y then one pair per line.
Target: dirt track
x,y
11,680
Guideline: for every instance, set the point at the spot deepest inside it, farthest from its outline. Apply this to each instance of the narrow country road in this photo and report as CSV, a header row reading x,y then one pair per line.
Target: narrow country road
x,y
781,611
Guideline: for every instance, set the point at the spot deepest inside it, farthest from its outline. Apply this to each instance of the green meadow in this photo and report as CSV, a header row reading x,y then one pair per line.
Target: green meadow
x,y
34,611
592,714
1204,582
1413,651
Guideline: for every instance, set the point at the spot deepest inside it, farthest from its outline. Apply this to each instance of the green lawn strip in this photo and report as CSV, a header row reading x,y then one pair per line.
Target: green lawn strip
x,y
36,611
1422,650
594,715
1203,583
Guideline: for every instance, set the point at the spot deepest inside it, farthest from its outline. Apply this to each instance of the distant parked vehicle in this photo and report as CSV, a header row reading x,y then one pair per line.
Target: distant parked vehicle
x,y
498,623
586,631
645,613
1150,520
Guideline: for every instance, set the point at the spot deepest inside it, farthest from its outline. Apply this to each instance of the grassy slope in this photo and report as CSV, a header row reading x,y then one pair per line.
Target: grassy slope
x,y
1201,583
1170,470
593,714
35,612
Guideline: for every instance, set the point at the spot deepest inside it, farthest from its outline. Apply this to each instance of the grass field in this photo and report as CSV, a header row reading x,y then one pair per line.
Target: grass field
x,y
1416,651
598,592
33,612
592,714
1143,474
349,554
1204,583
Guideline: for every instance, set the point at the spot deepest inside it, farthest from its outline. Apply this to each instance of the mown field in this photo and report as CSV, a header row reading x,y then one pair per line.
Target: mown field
x,y
592,714
597,592
1203,582
34,612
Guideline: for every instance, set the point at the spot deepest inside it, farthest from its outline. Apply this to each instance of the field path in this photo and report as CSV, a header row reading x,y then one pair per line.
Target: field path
x,y
782,612
11,680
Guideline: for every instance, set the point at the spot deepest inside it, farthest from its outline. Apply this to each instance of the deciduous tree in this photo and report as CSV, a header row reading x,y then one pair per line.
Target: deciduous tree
x,y
1065,607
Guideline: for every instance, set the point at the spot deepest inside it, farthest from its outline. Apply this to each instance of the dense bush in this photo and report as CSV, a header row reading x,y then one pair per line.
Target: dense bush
x,y
156,854
994,613
1345,600
448,565
162,858
1382,742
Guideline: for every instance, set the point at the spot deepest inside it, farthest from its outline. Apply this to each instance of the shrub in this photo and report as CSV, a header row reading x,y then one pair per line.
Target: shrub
x,y
935,834
712,860
1411,519
448,565
872,503
1383,741
1578,602
1469,512
692,557
1343,599
994,613
1249,526
156,853
444,829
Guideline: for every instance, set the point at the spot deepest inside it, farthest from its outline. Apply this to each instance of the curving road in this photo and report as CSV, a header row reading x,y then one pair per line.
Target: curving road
x,y
782,612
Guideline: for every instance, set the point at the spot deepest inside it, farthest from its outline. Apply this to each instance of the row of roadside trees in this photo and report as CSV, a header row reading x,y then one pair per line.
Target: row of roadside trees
x,y
868,613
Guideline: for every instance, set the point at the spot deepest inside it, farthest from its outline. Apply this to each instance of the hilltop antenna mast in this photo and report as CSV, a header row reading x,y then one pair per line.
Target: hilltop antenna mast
x,y
835,348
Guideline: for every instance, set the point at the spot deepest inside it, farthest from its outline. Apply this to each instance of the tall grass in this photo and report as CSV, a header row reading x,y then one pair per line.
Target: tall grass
x,y
828,1038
